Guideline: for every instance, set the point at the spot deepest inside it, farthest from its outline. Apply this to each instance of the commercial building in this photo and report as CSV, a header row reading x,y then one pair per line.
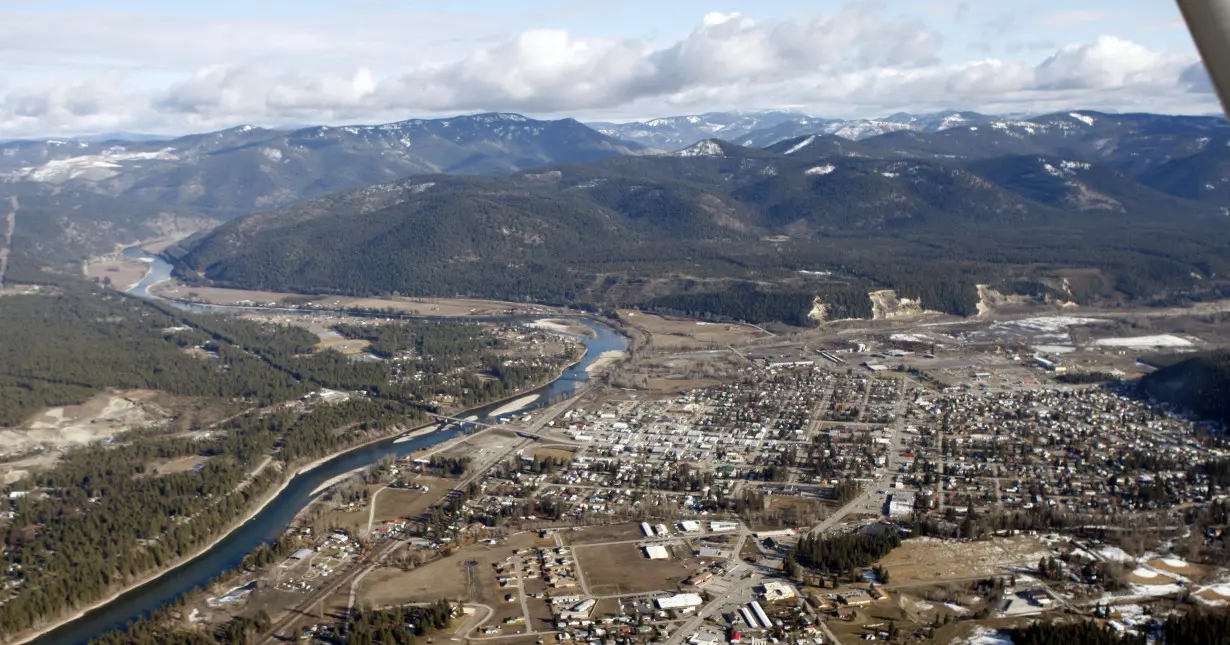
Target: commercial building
x,y
774,591
656,552
679,601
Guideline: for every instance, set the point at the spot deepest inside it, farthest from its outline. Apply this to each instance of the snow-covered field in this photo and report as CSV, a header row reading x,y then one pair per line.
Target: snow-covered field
x,y
1053,349
94,167
1144,342
1045,324
986,636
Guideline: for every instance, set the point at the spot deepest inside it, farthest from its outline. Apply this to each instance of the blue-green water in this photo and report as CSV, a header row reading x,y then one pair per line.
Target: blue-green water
x,y
271,522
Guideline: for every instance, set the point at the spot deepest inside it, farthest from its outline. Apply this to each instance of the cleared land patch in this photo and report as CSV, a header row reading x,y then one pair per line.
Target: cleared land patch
x,y
926,559
618,569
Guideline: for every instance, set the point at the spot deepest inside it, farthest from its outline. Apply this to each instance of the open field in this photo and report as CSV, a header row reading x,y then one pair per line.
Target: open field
x,y
600,534
926,559
447,578
560,454
347,346
677,385
1179,567
102,416
172,466
445,307
672,333
124,274
563,326
402,503
618,569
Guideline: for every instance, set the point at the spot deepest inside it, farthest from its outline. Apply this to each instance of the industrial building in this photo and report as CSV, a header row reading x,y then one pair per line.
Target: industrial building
x,y
656,552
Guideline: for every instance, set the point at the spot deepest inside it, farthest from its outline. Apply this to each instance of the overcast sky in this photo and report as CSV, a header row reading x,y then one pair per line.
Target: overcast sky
x,y
75,66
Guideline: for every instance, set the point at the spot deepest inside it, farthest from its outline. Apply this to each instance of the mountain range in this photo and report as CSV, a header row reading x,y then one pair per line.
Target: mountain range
x,y
500,205
764,128
693,230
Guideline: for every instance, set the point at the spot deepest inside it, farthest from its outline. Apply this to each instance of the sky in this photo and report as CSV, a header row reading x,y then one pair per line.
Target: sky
x,y
74,67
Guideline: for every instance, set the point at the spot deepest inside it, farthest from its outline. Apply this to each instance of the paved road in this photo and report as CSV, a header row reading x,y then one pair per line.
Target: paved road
x,y
715,606
355,576
870,501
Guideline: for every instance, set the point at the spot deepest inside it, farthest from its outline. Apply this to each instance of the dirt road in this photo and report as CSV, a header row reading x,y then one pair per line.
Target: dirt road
x,y
9,225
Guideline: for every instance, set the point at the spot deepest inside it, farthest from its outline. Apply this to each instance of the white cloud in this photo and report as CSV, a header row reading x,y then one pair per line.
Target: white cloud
x,y
859,60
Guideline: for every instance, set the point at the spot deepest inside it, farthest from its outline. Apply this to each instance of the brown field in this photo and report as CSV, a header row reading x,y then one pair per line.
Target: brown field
x,y
554,453
405,502
172,466
676,385
600,534
797,511
1188,570
446,578
1158,580
347,346
216,296
1213,594
622,569
124,274
679,333
449,307
923,560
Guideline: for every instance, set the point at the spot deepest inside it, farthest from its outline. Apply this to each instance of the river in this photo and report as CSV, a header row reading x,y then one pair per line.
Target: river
x,y
271,522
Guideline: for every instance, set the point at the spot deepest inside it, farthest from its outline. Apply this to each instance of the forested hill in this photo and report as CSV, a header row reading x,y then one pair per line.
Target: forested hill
x,y
681,231
1200,384
84,197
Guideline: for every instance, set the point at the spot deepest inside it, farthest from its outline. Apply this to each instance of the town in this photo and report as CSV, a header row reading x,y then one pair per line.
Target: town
x,y
880,491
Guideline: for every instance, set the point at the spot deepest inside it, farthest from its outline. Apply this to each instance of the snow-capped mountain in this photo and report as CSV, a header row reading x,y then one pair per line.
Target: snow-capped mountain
x,y
675,132
233,171
762,129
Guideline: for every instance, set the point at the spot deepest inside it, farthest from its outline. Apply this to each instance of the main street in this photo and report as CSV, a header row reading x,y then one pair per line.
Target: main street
x,y
871,501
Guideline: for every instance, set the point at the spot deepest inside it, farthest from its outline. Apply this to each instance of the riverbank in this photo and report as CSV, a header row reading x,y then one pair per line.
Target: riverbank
x,y
124,274
606,360
260,506
155,575
264,520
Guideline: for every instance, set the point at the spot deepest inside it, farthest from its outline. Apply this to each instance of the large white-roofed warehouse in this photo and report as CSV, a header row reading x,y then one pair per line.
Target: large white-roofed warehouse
x,y
679,601
656,552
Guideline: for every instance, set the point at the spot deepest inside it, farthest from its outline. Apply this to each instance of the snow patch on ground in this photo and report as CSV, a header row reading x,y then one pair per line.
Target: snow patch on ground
x,y
956,609
1087,120
95,167
1144,342
1053,349
986,636
802,144
1115,554
1144,573
702,149
1174,563
821,170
